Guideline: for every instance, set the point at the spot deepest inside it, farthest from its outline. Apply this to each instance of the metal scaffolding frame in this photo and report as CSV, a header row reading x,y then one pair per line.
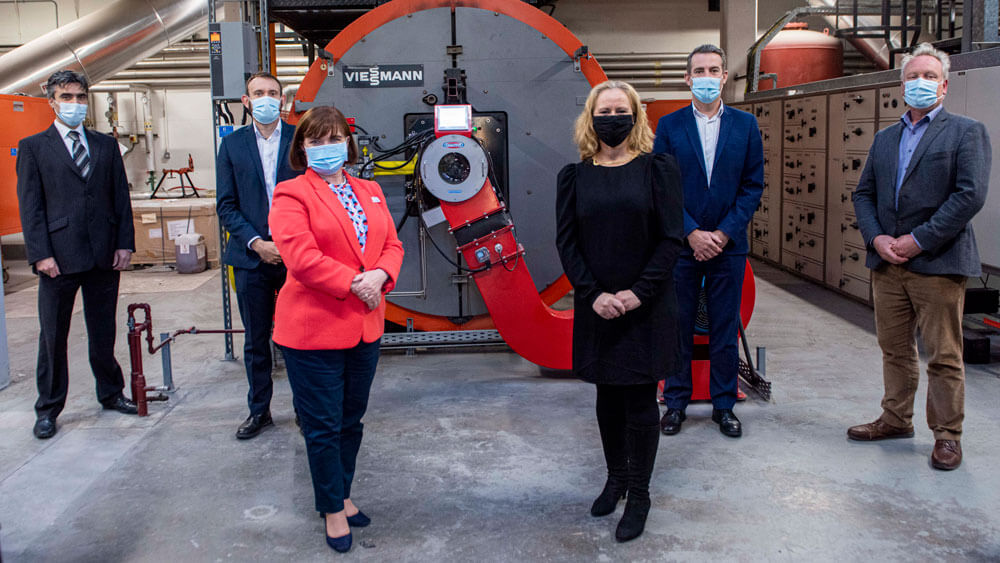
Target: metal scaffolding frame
x,y
253,12
4,355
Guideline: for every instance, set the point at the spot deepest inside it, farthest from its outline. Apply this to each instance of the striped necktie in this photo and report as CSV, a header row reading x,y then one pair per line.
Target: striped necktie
x,y
80,156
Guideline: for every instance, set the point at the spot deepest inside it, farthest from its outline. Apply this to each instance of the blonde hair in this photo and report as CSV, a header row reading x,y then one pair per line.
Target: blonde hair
x,y
640,139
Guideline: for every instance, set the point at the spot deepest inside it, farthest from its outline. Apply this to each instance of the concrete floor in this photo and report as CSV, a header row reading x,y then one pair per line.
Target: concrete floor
x,y
479,457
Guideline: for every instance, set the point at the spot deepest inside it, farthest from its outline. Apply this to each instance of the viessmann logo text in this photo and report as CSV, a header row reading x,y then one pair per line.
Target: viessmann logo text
x,y
383,76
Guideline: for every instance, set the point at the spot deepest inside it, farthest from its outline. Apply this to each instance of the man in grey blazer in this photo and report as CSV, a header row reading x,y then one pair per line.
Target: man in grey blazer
x,y
926,177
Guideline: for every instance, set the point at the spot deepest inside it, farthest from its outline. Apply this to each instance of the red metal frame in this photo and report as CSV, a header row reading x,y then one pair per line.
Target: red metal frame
x,y
536,332
372,20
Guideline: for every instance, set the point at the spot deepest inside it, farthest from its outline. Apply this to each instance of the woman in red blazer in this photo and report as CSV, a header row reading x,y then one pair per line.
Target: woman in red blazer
x,y
338,241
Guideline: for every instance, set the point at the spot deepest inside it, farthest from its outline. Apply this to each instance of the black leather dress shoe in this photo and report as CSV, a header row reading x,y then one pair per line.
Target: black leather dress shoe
x,y
253,425
45,428
728,423
122,405
670,424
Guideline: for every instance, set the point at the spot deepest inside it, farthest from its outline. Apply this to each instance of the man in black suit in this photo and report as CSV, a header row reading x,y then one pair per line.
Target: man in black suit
x,y
251,161
77,223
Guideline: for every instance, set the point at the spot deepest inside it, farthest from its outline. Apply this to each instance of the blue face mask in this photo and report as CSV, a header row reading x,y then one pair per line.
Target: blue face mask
x,y
266,109
72,114
920,93
326,159
706,89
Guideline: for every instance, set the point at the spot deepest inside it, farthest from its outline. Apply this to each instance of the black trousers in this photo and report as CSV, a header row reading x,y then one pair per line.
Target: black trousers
x,y
55,310
256,289
330,392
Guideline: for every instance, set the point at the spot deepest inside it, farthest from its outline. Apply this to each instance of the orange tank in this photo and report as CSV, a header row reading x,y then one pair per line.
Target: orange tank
x,y
797,55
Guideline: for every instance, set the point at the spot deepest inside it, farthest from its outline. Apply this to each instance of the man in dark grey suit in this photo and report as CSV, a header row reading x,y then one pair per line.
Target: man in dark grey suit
x,y
77,223
926,177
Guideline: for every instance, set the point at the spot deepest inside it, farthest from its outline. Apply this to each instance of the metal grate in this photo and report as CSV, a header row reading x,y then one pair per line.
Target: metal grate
x,y
753,380
439,339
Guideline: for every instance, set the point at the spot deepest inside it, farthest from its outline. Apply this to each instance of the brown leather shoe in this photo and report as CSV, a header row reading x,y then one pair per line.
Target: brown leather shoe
x,y
877,430
947,454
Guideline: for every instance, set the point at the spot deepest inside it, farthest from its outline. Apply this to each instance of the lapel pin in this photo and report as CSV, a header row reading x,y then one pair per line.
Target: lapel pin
x,y
375,199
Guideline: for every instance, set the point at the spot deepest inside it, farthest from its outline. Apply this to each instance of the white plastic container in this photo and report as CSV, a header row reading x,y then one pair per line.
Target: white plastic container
x,y
190,252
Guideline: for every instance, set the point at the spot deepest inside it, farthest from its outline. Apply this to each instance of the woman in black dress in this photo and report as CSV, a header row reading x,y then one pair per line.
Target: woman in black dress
x,y
620,229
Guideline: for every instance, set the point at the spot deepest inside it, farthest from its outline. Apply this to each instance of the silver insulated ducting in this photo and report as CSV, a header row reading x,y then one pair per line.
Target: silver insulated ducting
x,y
102,43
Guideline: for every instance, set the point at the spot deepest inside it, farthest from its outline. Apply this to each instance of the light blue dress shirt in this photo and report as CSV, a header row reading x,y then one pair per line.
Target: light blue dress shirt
x,y
912,133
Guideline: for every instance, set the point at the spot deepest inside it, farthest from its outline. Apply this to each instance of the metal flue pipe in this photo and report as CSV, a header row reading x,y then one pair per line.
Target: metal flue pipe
x,y
874,48
102,43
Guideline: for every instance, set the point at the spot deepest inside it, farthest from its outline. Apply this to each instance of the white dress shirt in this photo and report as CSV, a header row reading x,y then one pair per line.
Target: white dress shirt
x,y
268,149
708,132
64,133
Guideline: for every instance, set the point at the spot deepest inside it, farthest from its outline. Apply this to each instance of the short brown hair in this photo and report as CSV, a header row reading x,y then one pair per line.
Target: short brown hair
x,y
317,123
708,49
264,74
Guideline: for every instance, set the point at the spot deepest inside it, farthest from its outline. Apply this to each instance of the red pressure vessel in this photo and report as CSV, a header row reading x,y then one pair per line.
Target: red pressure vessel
x,y
798,55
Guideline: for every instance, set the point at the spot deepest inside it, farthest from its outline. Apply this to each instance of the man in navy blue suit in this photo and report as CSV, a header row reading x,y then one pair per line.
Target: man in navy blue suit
x,y
251,161
722,168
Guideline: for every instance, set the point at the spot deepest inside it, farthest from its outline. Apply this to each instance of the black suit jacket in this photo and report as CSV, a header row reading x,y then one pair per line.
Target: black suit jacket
x,y
79,222
241,194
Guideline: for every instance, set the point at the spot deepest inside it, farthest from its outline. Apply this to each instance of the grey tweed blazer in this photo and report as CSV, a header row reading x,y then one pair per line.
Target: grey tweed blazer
x,y
943,188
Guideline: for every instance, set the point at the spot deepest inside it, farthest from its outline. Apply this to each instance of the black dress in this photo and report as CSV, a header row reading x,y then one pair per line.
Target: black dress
x,y
622,228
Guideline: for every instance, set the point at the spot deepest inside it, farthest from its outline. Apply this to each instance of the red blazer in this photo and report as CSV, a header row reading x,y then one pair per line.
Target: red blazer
x,y
316,309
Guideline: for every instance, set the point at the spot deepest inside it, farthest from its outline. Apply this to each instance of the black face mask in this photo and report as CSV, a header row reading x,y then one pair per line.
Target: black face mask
x,y
613,129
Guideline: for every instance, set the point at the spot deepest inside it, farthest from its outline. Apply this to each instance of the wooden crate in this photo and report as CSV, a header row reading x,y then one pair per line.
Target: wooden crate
x,y
159,221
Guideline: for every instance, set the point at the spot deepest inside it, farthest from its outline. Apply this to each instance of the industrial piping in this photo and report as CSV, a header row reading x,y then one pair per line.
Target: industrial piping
x,y
137,378
102,43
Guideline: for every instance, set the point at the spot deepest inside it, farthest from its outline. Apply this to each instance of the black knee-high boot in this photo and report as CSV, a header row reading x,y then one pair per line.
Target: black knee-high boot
x,y
613,439
642,445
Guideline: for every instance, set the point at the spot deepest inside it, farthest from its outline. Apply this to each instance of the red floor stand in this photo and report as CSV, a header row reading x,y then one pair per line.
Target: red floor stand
x,y
700,377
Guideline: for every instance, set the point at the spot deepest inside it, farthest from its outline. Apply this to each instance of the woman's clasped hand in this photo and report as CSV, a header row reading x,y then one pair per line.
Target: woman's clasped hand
x,y
611,306
368,287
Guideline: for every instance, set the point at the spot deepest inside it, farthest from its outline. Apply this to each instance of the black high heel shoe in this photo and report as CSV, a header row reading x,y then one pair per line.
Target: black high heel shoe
x,y
341,544
359,520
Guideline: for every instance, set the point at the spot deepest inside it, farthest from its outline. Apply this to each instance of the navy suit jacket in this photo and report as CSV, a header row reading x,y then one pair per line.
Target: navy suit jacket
x,y
943,188
241,194
79,222
729,201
